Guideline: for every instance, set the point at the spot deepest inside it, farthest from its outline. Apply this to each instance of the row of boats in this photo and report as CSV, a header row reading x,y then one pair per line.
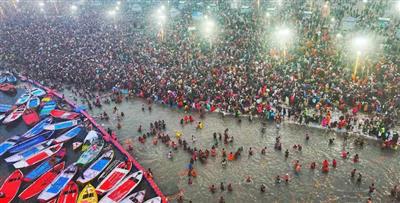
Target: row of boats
x,y
7,80
40,152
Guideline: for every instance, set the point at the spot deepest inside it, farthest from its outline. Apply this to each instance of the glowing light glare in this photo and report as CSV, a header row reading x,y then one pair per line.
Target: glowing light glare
x,y
365,1
74,8
209,26
118,3
41,4
338,35
268,14
333,20
162,7
112,12
360,44
398,5
284,32
117,8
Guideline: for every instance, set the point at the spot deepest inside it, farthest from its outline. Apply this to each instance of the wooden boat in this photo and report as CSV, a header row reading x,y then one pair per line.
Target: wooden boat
x,y
58,184
90,154
56,113
23,99
114,177
119,192
76,145
135,197
8,144
14,115
69,134
96,168
62,125
38,128
69,193
38,92
29,151
47,108
11,186
42,168
33,102
30,117
88,195
154,200
38,157
5,108
8,88
89,139
30,142
41,183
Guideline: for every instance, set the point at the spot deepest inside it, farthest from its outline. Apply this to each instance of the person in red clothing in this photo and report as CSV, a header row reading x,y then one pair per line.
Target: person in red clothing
x,y
334,163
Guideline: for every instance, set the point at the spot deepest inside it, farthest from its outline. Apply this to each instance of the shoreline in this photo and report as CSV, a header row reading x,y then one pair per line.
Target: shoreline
x,y
105,135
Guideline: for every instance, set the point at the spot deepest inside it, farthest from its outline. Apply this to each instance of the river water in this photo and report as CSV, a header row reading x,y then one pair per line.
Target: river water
x,y
377,166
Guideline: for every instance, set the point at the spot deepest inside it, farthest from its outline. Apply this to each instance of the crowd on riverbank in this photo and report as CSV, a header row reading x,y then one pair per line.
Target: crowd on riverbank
x,y
237,75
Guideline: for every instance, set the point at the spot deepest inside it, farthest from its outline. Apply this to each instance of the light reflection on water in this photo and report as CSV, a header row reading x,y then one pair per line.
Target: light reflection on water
x,y
380,167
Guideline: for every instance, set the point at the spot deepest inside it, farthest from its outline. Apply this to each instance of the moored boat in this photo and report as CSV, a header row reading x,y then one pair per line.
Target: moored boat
x,y
96,168
61,114
23,99
69,134
11,186
33,102
69,193
90,154
58,184
114,177
154,200
43,168
29,151
20,146
5,108
127,185
8,88
38,128
41,183
14,115
136,197
30,117
47,108
38,157
8,144
88,195
62,125
38,92
89,139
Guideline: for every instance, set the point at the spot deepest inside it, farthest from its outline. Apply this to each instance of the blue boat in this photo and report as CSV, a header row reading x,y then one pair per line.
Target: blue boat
x,y
69,134
11,79
29,151
5,108
49,106
31,142
58,184
40,170
23,99
38,128
3,79
33,102
62,125
38,92
8,144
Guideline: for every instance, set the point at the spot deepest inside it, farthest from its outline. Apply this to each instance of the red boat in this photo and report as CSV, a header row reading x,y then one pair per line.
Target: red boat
x,y
114,177
56,113
11,186
30,117
8,88
41,183
69,193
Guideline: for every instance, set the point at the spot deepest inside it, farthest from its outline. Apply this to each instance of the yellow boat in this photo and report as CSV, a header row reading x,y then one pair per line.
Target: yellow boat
x,y
88,195
46,99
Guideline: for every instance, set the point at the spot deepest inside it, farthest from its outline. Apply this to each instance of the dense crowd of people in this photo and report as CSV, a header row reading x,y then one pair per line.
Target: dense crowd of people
x,y
237,71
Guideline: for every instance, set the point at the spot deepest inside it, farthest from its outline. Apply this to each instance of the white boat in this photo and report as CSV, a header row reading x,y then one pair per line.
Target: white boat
x,y
62,125
96,168
38,157
14,115
69,134
28,152
119,192
89,139
154,200
90,154
58,184
136,197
